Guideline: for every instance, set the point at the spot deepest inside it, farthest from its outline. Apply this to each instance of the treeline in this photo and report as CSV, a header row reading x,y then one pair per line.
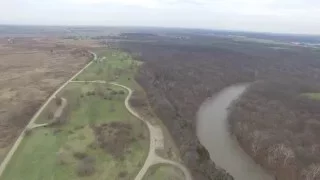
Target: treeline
x,y
179,77
279,126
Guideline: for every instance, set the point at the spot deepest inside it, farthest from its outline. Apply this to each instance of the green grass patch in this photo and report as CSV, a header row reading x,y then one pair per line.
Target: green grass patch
x,y
47,114
162,171
116,65
315,96
48,153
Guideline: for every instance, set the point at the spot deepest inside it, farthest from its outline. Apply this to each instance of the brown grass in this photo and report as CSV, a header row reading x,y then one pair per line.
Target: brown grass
x,y
30,70
114,137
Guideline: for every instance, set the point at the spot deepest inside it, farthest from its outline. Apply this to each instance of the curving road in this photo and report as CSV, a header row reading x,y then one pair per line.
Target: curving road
x,y
15,146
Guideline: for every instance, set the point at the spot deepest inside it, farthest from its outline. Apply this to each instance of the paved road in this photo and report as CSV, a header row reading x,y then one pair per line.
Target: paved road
x,y
33,119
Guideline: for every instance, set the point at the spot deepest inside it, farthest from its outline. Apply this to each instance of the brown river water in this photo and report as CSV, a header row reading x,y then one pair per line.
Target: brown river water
x,y
213,133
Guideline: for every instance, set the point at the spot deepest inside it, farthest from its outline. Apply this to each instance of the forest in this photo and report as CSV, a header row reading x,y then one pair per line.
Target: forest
x,y
275,121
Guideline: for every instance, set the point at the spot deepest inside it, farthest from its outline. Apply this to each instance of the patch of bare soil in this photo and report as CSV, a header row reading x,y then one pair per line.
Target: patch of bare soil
x,y
30,70
114,137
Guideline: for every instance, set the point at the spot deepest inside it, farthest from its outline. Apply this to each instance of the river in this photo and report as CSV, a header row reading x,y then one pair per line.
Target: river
x,y
213,133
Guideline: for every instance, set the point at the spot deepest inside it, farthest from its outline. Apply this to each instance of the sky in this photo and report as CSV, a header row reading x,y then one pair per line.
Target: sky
x,y
279,16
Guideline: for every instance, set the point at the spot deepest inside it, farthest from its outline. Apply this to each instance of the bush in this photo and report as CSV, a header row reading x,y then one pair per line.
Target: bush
x,y
123,174
89,159
80,155
28,132
78,127
114,93
85,168
50,115
91,93
56,131
58,101
121,92
61,158
93,145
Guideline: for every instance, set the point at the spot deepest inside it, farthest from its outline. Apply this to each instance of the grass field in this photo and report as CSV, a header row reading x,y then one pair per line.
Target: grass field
x,y
116,66
315,96
161,172
51,153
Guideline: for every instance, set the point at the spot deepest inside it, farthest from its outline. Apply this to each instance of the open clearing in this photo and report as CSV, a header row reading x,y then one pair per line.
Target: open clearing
x,y
112,66
30,70
97,118
97,138
120,67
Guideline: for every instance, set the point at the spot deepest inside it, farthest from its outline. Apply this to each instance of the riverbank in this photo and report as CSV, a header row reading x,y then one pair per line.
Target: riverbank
x,y
193,154
213,132
277,124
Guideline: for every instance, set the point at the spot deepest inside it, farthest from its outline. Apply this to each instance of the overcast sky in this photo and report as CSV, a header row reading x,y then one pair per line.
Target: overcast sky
x,y
285,16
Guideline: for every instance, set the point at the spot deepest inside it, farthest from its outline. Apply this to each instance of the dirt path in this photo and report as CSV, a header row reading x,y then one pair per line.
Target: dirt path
x,y
35,116
156,135
156,142
156,139
56,115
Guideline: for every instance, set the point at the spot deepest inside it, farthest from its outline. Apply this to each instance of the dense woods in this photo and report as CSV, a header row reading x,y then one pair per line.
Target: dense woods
x,y
279,126
274,122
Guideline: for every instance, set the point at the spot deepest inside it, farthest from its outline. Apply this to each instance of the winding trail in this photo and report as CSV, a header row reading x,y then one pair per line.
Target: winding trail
x,y
56,115
156,134
15,146
156,138
156,142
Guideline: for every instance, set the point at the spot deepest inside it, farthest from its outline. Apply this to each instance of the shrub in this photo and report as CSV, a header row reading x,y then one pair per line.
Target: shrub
x,y
123,174
58,101
56,131
80,155
91,93
85,168
28,132
78,127
114,93
121,92
89,159
61,158
50,115
106,96
93,145
141,136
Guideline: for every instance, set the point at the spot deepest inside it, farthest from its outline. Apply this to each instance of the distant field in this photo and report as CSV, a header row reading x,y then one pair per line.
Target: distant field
x,y
30,70
315,96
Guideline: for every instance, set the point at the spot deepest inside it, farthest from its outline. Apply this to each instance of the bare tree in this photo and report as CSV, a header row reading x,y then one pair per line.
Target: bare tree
x,y
280,152
312,172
